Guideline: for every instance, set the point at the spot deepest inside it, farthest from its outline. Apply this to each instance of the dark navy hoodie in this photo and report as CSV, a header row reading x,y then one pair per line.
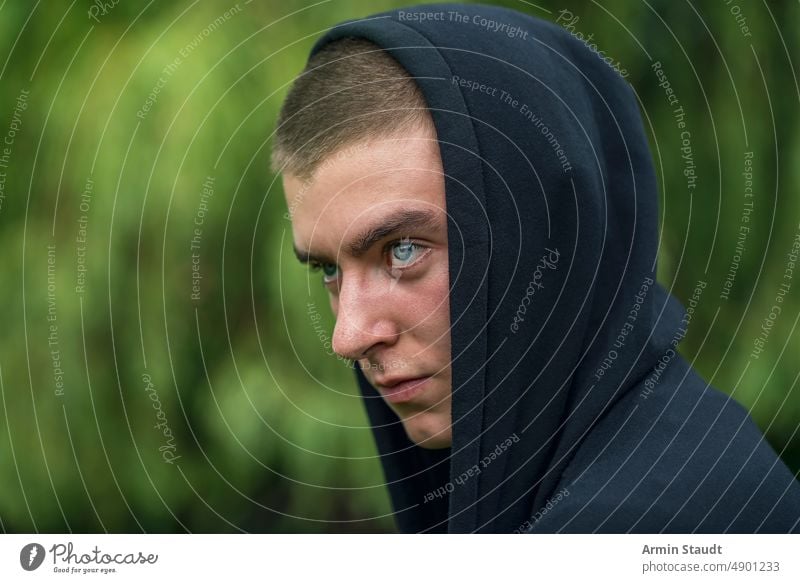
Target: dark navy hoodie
x,y
572,409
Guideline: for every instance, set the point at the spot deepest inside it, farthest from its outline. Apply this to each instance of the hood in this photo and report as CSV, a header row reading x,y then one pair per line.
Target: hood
x,y
553,237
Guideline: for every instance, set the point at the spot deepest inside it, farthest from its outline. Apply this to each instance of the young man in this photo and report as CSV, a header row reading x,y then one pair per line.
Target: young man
x,y
483,209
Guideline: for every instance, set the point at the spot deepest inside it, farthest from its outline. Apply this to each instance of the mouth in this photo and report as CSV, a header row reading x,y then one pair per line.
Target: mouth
x,y
403,390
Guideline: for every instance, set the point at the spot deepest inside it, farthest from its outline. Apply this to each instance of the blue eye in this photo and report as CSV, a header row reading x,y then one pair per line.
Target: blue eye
x,y
330,271
403,253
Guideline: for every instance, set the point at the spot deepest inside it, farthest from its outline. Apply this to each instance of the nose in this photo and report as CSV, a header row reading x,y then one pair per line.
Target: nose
x,y
364,321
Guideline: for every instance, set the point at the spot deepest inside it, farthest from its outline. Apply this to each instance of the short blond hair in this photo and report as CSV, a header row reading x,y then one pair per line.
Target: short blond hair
x,y
351,90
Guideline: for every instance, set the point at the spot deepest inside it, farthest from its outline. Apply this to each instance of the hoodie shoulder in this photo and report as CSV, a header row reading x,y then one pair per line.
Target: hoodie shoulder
x,y
683,459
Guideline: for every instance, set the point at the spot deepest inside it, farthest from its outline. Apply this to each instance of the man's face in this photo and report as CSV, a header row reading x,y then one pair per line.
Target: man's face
x,y
372,220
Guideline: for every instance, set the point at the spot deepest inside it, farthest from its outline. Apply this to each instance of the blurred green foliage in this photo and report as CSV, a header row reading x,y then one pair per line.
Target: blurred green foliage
x,y
267,427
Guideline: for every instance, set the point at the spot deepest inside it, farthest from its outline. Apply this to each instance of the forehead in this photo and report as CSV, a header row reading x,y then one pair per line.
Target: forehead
x,y
361,184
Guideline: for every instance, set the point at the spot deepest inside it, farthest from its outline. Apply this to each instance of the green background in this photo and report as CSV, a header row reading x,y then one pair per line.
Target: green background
x,y
268,425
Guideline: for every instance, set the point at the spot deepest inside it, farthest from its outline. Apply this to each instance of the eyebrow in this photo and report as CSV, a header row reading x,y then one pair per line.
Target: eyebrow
x,y
401,221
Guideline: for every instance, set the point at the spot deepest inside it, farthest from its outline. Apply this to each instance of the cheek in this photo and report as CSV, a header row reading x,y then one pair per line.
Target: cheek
x,y
431,307
334,304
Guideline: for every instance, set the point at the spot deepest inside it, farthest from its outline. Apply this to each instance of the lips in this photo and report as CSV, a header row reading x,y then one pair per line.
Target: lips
x,y
402,390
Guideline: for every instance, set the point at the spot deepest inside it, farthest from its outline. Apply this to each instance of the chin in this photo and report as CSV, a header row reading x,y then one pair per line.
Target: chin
x,y
429,435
